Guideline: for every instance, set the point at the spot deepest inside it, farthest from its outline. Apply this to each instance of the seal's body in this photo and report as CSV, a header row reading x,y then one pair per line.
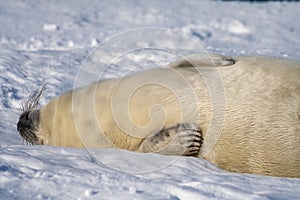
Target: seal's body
x,y
242,114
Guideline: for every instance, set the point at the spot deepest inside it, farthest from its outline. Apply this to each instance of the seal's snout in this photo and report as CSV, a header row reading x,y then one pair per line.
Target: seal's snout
x,y
22,121
29,120
28,126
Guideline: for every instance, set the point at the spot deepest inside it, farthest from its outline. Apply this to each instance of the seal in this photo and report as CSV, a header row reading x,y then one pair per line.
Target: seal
x,y
240,113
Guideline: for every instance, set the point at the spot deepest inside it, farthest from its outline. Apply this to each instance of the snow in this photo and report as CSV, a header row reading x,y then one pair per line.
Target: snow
x,y
50,27
55,42
55,173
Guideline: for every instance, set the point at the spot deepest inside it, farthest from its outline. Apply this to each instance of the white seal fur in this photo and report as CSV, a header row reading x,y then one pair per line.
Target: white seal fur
x,y
171,110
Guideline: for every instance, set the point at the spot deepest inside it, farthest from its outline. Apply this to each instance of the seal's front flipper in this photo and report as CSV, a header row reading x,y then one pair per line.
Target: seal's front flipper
x,y
181,139
203,60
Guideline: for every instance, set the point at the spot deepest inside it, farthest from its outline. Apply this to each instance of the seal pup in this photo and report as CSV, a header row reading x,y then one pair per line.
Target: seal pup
x,y
171,111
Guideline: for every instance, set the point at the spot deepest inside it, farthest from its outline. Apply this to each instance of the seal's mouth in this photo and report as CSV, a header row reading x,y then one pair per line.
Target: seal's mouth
x,y
28,126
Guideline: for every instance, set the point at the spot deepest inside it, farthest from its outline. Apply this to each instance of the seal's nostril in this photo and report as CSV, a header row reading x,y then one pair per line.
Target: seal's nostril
x,y
18,126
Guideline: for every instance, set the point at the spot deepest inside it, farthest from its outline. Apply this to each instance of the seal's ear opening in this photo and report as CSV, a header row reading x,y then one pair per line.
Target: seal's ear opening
x,y
28,122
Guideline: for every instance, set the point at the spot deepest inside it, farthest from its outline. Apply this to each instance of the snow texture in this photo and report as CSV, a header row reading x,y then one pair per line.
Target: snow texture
x,y
54,42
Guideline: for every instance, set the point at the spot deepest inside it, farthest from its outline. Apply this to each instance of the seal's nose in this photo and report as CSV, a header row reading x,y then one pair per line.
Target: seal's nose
x,y
22,121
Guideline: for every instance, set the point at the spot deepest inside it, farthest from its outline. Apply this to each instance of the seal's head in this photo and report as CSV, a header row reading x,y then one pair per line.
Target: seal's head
x,y
28,124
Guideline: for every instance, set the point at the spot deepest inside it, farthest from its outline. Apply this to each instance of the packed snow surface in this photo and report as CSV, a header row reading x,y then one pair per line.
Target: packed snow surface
x,y
64,43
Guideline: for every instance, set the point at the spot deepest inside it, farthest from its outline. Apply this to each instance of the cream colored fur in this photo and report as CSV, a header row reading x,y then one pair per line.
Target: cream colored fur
x,y
258,111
